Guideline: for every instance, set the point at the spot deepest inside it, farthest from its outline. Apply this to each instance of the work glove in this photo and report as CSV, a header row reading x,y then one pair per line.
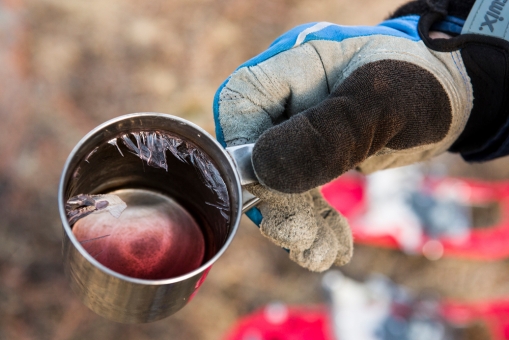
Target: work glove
x,y
324,99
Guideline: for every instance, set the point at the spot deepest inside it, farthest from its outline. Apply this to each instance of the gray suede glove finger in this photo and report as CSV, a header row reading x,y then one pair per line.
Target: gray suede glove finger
x,y
316,235
338,224
288,219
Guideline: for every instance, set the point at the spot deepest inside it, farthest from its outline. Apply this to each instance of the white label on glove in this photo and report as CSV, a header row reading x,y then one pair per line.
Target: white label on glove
x,y
488,17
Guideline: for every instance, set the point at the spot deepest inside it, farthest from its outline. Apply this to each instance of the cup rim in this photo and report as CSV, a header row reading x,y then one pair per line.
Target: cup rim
x,y
100,266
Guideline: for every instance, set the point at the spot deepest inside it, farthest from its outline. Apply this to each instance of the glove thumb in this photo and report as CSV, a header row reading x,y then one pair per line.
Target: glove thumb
x,y
290,157
385,104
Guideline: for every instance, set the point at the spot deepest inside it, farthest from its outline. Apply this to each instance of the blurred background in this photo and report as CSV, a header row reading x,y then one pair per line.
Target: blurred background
x,y
67,66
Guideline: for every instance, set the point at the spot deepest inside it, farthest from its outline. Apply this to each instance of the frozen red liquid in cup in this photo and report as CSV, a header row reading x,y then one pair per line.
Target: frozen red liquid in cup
x,y
154,238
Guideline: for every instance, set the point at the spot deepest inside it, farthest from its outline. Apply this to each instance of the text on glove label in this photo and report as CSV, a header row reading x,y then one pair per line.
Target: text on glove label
x,y
488,17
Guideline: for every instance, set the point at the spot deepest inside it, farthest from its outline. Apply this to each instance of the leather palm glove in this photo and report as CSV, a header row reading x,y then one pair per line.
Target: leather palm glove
x,y
324,99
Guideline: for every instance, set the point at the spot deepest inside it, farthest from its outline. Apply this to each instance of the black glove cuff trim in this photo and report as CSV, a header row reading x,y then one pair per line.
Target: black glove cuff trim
x,y
486,60
453,44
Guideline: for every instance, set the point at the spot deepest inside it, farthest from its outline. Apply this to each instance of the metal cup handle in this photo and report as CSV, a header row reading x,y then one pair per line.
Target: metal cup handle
x,y
241,156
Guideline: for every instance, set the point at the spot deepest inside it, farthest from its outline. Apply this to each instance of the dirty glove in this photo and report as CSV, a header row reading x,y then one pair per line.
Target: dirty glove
x,y
316,235
324,99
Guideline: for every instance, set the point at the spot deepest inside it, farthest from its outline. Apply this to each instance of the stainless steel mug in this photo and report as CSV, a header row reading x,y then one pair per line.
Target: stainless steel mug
x,y
102,162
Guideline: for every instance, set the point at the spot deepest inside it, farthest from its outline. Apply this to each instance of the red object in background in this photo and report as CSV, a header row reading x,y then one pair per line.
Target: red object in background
x,y
279,322
495,314
347,195
314,323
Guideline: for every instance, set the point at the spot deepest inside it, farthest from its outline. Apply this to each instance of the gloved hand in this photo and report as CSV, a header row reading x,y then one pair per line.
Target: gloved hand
x,y
324,99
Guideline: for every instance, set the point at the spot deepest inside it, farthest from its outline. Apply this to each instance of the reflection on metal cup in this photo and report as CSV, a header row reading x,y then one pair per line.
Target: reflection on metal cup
x,y
161,156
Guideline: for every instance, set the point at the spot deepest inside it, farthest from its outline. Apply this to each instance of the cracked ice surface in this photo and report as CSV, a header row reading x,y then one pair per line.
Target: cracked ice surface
x,y
151,146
